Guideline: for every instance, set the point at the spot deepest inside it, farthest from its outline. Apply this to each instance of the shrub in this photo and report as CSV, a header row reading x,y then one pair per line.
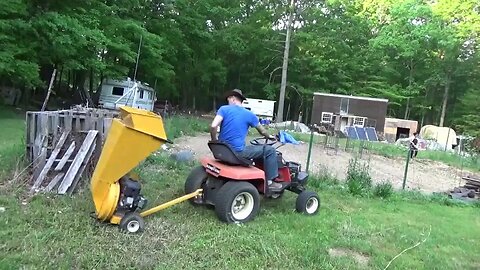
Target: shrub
x,y
358,179
383,190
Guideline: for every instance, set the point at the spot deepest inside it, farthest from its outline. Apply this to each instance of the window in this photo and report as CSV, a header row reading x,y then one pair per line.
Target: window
x,y
359,121
344,103
117,91
327,117
140,94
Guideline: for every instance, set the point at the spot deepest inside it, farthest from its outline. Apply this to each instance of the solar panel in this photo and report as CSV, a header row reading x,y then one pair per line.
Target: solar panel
x,y
362,135
371,134
351,133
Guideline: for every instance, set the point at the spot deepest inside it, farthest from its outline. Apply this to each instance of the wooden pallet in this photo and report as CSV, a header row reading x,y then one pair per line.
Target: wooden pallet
x,y
44,129
66,170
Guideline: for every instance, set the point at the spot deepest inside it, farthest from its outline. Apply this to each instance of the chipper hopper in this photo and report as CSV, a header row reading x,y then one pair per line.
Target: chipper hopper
x,y
115,191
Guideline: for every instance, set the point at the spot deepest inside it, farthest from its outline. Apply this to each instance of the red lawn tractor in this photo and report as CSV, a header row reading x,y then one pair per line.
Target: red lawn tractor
x,y
233,185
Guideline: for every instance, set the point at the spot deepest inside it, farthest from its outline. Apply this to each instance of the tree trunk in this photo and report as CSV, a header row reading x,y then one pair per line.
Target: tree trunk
x,y
445,99
283,84
410,81
52,79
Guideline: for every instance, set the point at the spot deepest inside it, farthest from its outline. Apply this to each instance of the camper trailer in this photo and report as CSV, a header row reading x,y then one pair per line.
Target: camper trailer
x,y
114,94
262,108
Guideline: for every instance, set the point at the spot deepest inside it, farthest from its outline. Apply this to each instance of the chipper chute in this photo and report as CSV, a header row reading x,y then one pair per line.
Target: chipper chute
x,y
116,194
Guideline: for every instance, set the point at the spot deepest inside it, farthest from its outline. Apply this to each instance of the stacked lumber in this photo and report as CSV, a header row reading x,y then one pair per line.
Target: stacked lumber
x,y
472,183
70,161
470,191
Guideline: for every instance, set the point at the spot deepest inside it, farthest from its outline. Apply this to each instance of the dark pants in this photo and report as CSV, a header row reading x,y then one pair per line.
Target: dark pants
x,y
413,153
267,154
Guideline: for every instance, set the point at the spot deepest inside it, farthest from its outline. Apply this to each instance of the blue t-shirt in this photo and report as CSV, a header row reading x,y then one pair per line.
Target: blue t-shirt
x,y
236,122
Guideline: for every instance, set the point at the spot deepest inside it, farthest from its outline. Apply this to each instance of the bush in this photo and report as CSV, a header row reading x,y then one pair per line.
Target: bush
x,y
383,190
323,180
358,180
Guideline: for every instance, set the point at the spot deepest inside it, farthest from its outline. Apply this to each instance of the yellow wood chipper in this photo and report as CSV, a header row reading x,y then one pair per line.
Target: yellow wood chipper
x,y
116,193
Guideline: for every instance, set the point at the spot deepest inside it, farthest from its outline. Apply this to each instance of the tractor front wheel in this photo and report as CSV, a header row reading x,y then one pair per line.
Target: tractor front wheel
x,y
308,202
237,202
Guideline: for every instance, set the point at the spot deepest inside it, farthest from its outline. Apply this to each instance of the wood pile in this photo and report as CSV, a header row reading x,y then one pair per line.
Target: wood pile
x,y
469,191
64,146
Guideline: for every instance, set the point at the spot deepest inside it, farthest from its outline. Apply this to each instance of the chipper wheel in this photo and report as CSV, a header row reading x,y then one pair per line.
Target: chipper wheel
x,y
308,202
197,177
237,202
132,222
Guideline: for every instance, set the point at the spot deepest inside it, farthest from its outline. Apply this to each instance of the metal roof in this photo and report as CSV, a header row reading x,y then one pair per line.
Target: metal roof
x,y
353,97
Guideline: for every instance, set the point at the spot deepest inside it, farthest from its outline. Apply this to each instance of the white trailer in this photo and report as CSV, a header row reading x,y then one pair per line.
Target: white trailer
x,y
261,107
114,94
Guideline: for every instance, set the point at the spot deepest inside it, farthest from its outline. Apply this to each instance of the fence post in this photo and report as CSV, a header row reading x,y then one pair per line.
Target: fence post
x,y
309,149
406,170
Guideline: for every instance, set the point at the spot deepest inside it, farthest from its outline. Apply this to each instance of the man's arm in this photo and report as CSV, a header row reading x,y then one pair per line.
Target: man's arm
x,y
263,131
213,127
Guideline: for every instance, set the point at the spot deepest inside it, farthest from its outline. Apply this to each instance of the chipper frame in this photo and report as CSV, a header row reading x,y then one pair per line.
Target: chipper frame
x,y
115,192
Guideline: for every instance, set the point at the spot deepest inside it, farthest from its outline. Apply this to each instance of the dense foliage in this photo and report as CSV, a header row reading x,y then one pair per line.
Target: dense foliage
x,y
421,55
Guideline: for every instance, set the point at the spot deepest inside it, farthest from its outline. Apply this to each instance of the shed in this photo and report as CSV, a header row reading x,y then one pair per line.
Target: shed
x,y
342,111
399,128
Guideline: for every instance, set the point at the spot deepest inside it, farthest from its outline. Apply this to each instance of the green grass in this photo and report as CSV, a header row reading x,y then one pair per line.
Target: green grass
x,y
178,126
395,151
12,140
57,232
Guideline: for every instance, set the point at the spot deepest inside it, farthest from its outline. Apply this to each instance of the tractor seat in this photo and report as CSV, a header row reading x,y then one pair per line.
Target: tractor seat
x,y
225,154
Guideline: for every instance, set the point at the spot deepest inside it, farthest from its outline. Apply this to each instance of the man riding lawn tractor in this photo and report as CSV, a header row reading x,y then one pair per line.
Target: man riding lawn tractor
x,y
233,180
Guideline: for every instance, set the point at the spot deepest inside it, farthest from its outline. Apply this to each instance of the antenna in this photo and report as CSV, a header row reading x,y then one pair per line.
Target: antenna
x,y
138,56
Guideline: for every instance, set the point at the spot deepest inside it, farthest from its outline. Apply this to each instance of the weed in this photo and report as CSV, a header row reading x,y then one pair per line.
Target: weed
x,y
324,180
358,179
383,190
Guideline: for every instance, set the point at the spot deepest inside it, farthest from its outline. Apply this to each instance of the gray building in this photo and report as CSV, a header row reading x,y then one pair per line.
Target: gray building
x,y
340,111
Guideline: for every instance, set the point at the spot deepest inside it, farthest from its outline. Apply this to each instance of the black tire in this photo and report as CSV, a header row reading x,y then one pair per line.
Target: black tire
x,y
237,192
197,177
132,223
308,202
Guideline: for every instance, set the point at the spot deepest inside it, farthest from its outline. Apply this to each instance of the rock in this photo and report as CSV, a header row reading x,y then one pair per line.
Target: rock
x,y
2,209
183,156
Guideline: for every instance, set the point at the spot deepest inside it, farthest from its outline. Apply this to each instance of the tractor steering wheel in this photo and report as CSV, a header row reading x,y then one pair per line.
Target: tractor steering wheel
x,y
266,141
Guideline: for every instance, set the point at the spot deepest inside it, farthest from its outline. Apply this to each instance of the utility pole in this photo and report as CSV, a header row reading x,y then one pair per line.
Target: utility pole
x,y
283,84
138,57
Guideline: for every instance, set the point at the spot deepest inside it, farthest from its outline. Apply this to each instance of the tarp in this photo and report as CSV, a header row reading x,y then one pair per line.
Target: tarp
x,y
287,138
445,136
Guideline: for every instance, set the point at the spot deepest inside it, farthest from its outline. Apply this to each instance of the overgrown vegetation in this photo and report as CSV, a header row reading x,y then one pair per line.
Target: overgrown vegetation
x,y
383,190
358,179
57,232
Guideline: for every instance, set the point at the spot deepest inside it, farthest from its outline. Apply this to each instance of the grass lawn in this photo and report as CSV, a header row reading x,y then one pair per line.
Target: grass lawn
x,y
57,232
12,140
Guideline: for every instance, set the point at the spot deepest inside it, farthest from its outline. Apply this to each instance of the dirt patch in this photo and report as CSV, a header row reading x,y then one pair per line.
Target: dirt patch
x,y
360,258
423,175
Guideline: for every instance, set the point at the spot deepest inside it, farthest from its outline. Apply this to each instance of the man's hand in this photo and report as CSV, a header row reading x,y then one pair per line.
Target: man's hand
x,y
271,137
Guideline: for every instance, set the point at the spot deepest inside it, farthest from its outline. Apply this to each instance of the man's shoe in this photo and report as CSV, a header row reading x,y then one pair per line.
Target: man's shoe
x,y
273,186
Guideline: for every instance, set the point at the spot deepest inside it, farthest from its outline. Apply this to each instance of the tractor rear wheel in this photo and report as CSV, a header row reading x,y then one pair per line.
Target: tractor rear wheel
x,y
195,180
237,202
